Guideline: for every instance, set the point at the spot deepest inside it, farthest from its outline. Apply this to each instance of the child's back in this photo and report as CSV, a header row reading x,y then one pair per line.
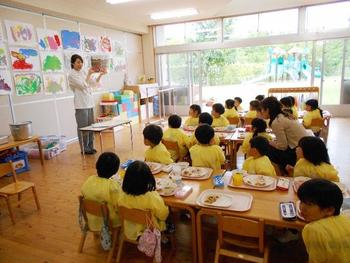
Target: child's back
x,y
324,170
177,135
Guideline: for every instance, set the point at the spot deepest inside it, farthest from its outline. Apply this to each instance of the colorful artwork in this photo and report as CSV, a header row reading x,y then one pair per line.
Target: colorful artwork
x,y
70,39
54,84
25,59
51,61
27,83
5,82
3,58
106,44
49,40
19,33
90,44
119,57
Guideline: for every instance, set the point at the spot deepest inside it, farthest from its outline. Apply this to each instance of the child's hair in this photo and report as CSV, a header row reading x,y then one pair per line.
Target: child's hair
x,y
260,97
255,104
287,102
292,99
196,108
138,179
261,144
229,103
238,99
174,121
274,107
205,118
258,125
107,165
322,193
219,108
314,150
314,105
153,133
204,133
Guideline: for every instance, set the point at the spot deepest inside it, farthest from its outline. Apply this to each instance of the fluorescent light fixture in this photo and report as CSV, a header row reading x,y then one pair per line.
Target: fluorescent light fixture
x,y
114,2
174,13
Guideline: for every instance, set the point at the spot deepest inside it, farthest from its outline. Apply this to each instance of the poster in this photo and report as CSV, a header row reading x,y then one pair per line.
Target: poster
x,y
29,83
25,59
119,57
90,44
5,82
105,44
19,33
70,39
51,61
54,84
3,56
49,40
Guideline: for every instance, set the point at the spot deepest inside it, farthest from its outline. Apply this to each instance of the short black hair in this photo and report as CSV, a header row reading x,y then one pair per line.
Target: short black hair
x,y
287,102
204,133
138,179
107,164
292,99
261,144
219,108
174,121
74,58
312,103
205,118
230,103
322,193
196,108
259,125
238,99
153,133
255,104
260,97
314,150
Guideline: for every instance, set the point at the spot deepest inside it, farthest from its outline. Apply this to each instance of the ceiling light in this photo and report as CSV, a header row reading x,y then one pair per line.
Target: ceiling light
x,y
114,2
174,13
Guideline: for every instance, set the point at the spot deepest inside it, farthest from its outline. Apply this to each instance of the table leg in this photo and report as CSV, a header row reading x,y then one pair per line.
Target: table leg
x,y
194,234
82,143
114,138
40,152
199,236
131,136
101,143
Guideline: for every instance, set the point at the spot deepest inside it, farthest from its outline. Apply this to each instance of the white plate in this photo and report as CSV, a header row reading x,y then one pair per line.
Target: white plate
x,y
260,181
168,168
219,200
220,129
341,186
298,181
155,167
297,204
194,172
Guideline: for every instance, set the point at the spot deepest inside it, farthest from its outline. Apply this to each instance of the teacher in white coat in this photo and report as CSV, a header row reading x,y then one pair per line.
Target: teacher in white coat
x,y
81,84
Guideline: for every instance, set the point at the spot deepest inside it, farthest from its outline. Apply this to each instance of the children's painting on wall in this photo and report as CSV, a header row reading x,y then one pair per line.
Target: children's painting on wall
x,y
25,59
5,82
49,40
3,57
70,39
90,44
51,61
119,57
106,44
27,83
54,84
19,33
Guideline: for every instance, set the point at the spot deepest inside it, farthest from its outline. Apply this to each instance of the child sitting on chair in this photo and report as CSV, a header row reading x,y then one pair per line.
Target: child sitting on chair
x,y
238,102
174,133
313,112
156,152
218,119
254,106
230,111
194,112
206,153
101,188
258,162
288,107
327,235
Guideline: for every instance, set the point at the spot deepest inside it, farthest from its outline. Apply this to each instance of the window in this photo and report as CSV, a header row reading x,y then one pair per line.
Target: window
x,y
328,17
241,27
170,34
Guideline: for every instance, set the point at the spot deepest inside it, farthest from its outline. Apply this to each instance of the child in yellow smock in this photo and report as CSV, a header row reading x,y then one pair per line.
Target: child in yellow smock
x,y
258,162
327,235
230,111
313,112
254,106
139,192
238,102
218,119
101,188
206,153
288,107
193,113
156,152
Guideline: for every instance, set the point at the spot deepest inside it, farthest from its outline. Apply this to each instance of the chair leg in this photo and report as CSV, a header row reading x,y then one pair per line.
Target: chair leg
x,y
114,244
82,241
217,252
19,199
120,249
266,255
10,210
36,198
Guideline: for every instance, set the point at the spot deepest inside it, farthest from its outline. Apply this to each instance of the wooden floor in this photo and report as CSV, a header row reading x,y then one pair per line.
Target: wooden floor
x,y
52,235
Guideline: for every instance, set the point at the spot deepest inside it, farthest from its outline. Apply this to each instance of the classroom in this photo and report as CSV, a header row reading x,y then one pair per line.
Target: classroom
x,y
174,131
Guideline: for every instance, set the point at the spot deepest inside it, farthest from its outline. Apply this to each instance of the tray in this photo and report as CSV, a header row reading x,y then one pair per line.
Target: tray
x,y
272,187
240,201
207,176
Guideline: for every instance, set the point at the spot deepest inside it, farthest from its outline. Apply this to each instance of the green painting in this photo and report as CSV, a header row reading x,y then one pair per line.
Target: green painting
x,y
52,61
27,83
54,84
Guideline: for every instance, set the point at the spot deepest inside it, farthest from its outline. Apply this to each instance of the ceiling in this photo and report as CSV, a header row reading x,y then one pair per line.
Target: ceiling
x,y
134,16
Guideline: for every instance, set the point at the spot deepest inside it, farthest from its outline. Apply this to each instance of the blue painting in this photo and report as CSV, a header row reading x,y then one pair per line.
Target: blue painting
x,y
70,39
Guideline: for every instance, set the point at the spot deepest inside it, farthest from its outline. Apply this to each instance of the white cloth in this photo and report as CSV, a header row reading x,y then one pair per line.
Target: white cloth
x,y
83,98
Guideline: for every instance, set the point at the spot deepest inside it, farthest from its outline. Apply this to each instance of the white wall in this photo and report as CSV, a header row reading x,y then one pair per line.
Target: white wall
x,y
54,114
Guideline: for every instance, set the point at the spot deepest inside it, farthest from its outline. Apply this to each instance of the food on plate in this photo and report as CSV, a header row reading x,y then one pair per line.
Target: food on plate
x,y
193,172
260,181
210,199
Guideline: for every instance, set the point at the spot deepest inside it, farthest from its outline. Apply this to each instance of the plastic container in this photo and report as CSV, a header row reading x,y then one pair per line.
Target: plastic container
x,y
19,160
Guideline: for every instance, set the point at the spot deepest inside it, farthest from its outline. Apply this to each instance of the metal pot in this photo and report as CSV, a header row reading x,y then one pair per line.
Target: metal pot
x,y
21,130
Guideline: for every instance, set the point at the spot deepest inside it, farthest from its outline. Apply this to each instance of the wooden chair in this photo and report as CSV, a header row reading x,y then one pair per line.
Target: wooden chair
x,y
97,209
173,146
136,216
233,120
16,188
323,124
244,233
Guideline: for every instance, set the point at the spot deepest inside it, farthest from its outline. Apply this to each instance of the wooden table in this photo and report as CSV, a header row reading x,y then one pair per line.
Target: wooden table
x,y
12,143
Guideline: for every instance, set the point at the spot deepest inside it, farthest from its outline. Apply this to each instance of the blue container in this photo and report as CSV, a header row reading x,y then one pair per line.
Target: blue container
x,y
19,160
